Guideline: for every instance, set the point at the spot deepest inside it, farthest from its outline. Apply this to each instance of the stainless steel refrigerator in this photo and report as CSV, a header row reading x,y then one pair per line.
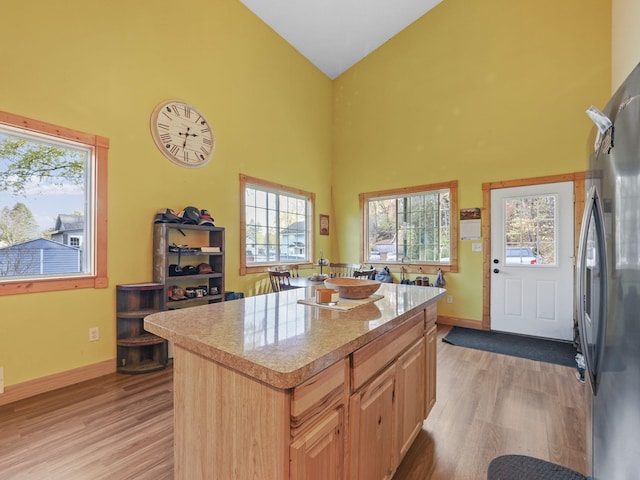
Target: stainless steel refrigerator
x,y
608,284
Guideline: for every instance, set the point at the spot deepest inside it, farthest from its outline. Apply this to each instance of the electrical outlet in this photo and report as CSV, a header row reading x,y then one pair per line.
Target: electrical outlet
x,y
1,379
449,298
94,334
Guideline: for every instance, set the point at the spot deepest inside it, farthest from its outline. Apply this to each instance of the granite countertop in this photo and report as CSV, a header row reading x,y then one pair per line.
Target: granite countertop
x,y
281,342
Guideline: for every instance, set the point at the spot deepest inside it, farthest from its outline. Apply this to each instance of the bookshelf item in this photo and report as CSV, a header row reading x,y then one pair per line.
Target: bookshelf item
x,y
212,249
138,350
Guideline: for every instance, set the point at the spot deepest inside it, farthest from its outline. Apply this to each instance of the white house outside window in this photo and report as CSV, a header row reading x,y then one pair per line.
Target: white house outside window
x,y
277,224
52,180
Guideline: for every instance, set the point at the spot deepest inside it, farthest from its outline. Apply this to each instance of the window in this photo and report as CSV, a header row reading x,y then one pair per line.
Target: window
x,y
276,225
52,207
530,230
415,226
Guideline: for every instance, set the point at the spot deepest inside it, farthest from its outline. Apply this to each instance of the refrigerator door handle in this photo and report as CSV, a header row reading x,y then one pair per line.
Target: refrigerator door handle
x,y
591,285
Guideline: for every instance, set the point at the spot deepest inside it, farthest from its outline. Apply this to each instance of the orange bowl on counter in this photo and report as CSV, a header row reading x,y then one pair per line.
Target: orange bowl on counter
x,y
353,288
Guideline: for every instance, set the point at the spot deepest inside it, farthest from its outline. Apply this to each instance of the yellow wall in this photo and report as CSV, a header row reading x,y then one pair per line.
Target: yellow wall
x,y
474,91
626,40
101,67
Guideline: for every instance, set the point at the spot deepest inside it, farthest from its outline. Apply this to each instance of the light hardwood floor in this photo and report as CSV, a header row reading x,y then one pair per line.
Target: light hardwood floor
x,y
120,426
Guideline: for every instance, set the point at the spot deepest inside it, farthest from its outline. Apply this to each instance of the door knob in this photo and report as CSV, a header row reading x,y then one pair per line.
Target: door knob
x,y
496,270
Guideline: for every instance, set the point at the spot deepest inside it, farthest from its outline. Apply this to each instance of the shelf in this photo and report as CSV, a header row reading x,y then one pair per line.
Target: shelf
x,y
145,367
137,313
186,226
135,287
146,339
197,275
193,301
166,235
138,351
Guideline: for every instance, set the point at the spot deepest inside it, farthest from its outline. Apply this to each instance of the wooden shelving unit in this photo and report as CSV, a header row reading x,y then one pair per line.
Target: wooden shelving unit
x,y
166,235
138,350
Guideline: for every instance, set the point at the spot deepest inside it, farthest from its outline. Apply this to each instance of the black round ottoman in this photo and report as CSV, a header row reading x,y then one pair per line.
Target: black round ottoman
x,y
521,467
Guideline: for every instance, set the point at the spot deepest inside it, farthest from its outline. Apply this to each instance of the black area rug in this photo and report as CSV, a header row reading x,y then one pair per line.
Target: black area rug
x,y
542,350
521,467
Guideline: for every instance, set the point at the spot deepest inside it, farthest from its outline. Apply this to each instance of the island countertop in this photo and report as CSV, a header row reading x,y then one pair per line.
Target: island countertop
x,y
279,341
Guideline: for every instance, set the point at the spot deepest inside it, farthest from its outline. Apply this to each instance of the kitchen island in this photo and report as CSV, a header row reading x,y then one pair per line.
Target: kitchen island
x,y
267,387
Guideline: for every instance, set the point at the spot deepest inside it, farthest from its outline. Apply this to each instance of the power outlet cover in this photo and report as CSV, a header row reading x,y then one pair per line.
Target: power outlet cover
x,y
94,334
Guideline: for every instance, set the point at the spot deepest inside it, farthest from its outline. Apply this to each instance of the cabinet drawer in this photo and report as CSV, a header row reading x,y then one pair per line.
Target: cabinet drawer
x,y
373,357
318,393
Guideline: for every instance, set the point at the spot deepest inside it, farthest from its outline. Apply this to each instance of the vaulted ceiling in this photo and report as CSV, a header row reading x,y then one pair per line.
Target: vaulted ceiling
x,y
336,34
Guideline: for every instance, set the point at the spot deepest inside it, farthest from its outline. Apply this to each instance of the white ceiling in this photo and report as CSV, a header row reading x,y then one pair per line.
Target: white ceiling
x,y
336,34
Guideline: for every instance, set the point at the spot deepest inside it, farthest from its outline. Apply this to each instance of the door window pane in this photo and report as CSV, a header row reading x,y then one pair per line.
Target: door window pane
x,y
530,230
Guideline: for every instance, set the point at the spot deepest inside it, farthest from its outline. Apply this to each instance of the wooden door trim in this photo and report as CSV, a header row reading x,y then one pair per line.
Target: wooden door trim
x,y
578,201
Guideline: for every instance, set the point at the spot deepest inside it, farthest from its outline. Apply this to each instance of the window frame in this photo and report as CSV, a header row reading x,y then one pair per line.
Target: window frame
x,y
100,147
264,266
413,267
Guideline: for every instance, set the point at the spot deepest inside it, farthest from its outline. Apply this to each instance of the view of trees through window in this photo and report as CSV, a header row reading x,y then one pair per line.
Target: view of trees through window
x,y
530,226
43,198
276,226
411,228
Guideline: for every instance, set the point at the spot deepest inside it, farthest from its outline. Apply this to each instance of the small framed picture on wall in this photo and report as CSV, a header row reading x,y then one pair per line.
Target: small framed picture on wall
x,y
324,224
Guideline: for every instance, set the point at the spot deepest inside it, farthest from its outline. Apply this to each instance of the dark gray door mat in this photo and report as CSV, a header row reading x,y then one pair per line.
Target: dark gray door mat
x,y
533,348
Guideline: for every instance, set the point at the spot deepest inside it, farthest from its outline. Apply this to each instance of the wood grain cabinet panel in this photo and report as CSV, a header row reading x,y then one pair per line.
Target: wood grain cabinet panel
x,y
373,357
317,425
318,452
319,393
373,419
431,357
411,382
356,419
391,380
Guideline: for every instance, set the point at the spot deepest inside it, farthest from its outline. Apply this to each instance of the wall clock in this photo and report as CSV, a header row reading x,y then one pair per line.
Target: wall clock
x,y
182,133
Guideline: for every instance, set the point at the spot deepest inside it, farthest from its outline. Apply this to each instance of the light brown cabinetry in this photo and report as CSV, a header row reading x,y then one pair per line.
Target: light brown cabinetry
x,y
411,381
318,454
318,425
353,420
138,351
373,420
431,356
166,238
388,407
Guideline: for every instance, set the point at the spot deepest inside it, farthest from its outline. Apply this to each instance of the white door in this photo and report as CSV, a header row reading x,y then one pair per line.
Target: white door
x,y
532,260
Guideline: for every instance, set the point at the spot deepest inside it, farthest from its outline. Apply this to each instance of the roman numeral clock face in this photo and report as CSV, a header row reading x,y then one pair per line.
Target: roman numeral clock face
x,y
182,134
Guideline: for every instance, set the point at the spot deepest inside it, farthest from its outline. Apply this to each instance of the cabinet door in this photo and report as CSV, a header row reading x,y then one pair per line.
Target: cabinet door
x,y
432,350
318,453
373,428
411,383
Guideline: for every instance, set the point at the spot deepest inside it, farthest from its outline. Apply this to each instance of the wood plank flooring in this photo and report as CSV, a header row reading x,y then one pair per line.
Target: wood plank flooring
x,y
490,405
119,427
